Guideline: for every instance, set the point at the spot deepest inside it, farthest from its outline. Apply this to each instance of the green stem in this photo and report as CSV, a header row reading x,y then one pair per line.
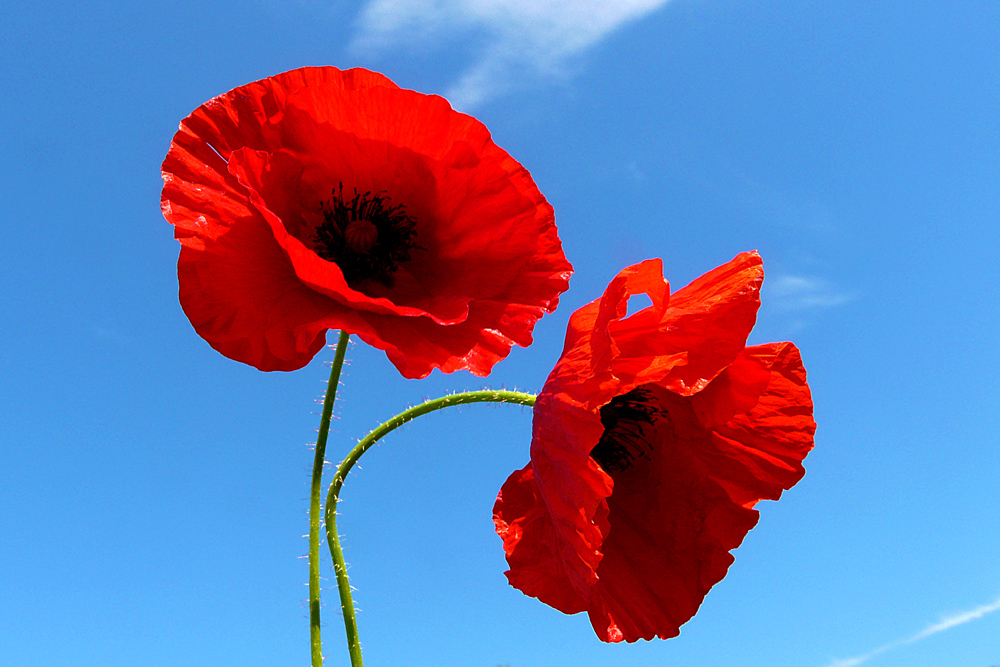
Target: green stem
x,y
316,644
333,539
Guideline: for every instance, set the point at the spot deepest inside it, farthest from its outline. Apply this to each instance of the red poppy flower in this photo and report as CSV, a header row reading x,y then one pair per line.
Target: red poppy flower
x,y
653,438
324,199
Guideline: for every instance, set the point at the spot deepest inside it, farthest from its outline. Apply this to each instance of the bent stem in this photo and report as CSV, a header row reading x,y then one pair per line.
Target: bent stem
x,y
316,644
333,539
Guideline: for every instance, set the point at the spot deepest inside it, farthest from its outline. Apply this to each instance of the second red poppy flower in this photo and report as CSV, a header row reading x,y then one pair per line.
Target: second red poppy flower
x,y
652,440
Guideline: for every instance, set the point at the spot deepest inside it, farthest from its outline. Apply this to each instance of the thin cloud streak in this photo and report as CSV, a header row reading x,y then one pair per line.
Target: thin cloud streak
x,y
802,292
957,619
944,624
520,39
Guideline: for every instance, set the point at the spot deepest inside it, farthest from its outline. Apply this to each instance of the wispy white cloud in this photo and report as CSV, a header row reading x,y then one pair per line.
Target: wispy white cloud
x,y
519,40
944,624
788,292
958,619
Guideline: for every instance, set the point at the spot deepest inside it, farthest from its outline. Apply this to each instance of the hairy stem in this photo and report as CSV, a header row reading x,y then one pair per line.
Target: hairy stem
x,y
316,643
333,539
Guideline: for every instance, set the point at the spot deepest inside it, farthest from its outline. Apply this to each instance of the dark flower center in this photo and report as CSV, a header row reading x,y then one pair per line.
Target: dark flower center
x,y
623,441
365,236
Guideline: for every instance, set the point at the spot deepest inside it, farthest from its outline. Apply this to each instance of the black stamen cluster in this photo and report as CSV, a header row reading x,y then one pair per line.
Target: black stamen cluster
x,y
393,246
623,440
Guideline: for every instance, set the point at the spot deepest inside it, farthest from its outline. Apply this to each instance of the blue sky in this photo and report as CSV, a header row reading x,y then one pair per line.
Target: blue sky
x,y
153,502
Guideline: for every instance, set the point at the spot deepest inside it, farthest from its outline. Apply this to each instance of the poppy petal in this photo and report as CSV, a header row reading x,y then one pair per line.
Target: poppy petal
x,y
758,451
708,322
533,546
245,300
682,341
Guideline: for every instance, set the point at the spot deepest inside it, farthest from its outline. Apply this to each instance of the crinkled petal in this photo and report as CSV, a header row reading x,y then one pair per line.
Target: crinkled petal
x,y
675,519
199,194
243,297
416,346
683,340
757,450
535,552
708,322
